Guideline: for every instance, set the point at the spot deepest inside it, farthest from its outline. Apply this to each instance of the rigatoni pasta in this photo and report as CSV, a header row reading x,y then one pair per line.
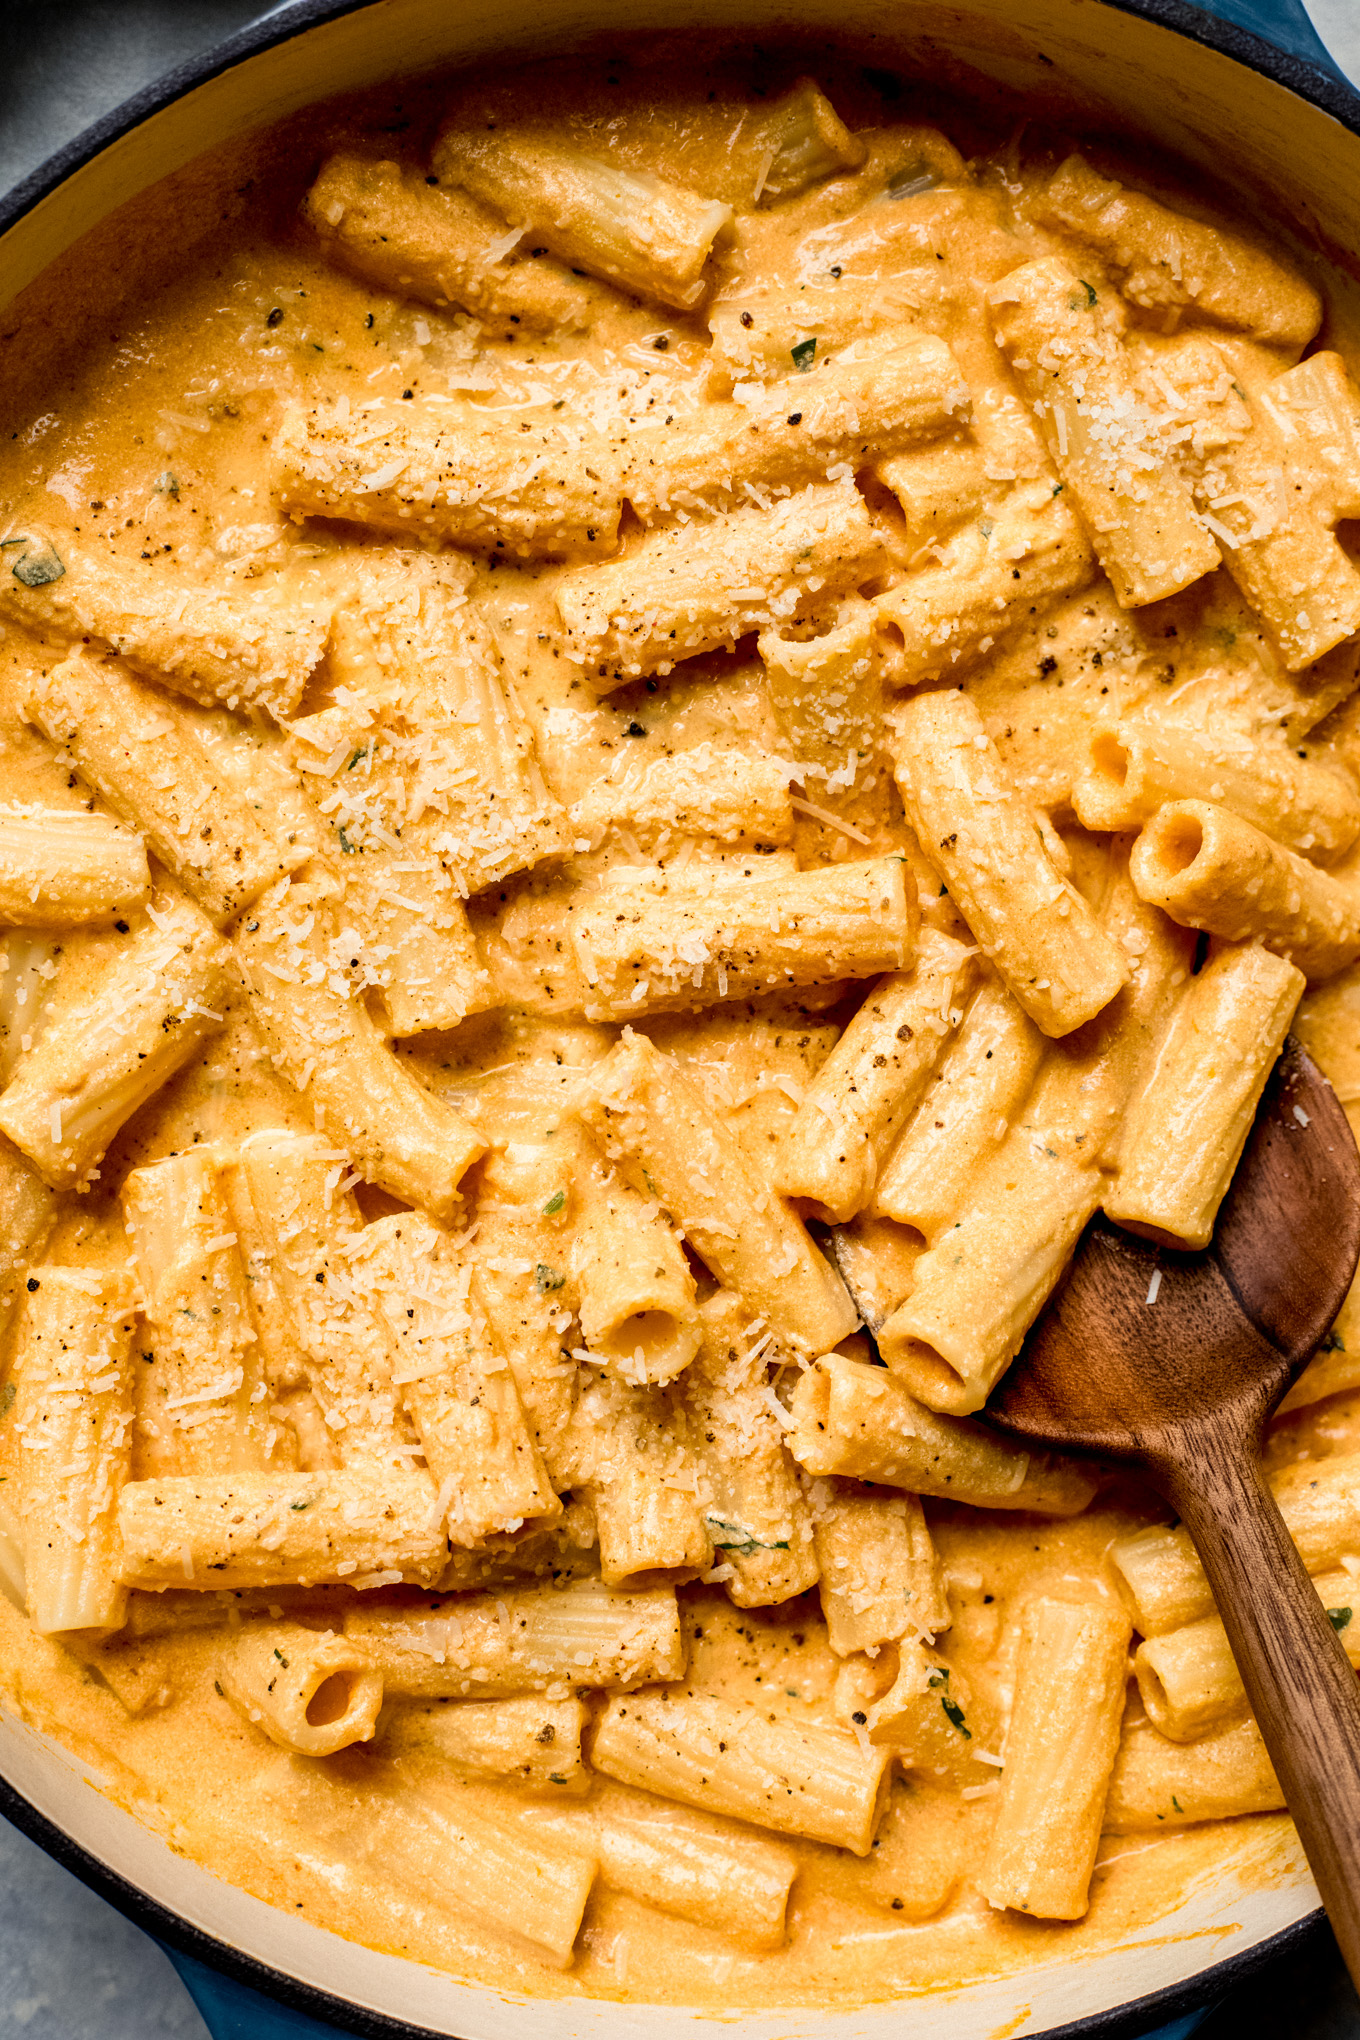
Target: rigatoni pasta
x,y
641,762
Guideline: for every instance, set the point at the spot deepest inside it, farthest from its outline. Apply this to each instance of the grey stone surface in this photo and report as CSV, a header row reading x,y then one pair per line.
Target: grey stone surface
x,y
71,1968
65,62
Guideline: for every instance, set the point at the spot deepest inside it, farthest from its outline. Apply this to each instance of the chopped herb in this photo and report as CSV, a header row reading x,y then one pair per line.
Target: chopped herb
x,y
362,752
635,729
1176,1803
1058,491
556,1778
1338,1617
167,484
734,1537
953,1712
555,1204
275,317
218,1690
7,1395
1090,291
298,1507
546,1278
36,569
345,843
803,355
1333,1343
281,1658
986,526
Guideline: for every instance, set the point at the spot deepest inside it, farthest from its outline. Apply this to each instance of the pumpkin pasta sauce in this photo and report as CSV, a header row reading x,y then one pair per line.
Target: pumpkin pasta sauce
x,y
156,437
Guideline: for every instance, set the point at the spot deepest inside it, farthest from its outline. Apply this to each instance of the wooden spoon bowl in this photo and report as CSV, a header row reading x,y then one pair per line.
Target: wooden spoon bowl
x,y
1173,1362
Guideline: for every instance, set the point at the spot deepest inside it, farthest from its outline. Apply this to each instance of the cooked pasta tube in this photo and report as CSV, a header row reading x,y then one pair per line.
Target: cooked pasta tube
x,y
855,1419
431,974
63,868
138,749
251,649
876,1259
692,940
880,1579
527,1740
635,1464
431,744
1335,1368
1188,1677
801,140
453,1378
308,1690
243,1530
994,571
1184,1132
28,1209
909,1701
393,226
400,1136
1131,771
522,1249
757,1515
1159,1571
788,433
983,839
722,1757
635,1294
208,1391
1158,1783
938,487
174,1611
651,1120
490,1646
727,795
294,1189
984,1280
1165,261
1072,370
73,1421
693,1865
1070,1679
1303,452
640,232
450,1847
827,694
861,1096
696,588
13,1579
982,1079
1207,868
448,470
122,1021
29,961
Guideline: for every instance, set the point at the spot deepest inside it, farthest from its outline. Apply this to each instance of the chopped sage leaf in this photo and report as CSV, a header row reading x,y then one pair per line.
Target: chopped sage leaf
x,y
734,1537
1338,1617
546,1278
803,355
555,1203
36,569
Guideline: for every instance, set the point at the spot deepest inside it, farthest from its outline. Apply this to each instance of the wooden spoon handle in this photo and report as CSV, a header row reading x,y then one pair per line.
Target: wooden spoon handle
x,y
1302,1690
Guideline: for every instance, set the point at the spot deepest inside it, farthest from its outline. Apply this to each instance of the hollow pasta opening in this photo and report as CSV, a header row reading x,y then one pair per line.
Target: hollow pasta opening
x,y
331,1701
1179,842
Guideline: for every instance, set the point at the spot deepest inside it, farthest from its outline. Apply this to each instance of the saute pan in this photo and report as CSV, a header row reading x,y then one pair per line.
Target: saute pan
x,y
1286,137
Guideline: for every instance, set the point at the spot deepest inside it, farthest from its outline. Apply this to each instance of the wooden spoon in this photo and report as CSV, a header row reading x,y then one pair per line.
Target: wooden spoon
x,y
1173,1362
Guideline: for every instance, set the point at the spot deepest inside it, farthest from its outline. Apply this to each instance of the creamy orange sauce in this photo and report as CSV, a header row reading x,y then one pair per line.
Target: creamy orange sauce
x,y
153,439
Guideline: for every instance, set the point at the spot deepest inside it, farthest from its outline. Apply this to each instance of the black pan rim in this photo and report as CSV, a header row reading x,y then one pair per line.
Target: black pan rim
x,y
1306,81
